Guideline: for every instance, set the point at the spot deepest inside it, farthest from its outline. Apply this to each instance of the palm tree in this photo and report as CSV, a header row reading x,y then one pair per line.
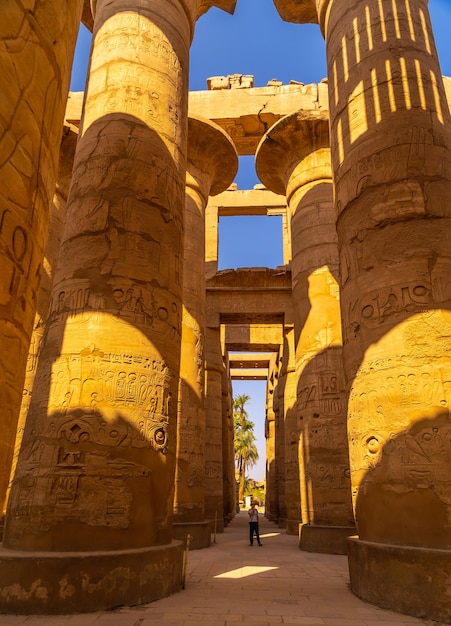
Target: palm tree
x,y
246,453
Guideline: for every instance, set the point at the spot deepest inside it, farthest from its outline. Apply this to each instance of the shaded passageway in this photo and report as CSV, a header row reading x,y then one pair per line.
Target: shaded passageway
x,y
232,583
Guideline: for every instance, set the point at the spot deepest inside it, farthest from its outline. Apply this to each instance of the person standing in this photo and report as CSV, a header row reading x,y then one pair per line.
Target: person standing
x,y
253,525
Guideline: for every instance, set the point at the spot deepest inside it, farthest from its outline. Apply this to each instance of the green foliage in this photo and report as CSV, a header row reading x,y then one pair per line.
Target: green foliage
x,y
246,453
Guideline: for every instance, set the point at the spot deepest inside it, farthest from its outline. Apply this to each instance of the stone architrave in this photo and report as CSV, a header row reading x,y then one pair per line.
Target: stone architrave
x,y
95,477
391,145
212,165
214,487
36,49
294,157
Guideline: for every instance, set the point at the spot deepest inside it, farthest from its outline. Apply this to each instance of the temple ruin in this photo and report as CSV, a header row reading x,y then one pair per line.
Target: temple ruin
x,y
119,336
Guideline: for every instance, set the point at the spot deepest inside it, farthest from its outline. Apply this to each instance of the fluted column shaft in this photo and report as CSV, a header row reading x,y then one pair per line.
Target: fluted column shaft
x,y
36,53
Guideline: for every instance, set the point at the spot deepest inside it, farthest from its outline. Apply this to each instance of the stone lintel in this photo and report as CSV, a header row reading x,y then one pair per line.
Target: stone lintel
x,y
248,374
255,338
250,296
405,579
324,539
249,360
249,202
58,583
244,114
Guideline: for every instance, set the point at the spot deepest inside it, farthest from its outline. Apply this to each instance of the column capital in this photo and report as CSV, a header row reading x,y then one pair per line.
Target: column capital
x,y
194,8
289,142
304,11
298,11
211,150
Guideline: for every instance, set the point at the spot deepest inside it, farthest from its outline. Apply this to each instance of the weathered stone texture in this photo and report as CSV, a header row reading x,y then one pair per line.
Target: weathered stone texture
x,y
36,49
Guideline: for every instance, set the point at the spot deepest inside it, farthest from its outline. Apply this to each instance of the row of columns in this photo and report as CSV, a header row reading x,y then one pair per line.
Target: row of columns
x,y
390,132
99,448
94,483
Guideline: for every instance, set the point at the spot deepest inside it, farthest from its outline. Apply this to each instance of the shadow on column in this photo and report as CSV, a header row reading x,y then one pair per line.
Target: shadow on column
x,y
399,560
89,519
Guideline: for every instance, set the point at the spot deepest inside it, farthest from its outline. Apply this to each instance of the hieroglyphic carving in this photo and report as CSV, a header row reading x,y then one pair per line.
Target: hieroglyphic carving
x,y
21,267
379,305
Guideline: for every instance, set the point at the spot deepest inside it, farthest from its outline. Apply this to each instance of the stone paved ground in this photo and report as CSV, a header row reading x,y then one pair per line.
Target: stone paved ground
x,y
232,583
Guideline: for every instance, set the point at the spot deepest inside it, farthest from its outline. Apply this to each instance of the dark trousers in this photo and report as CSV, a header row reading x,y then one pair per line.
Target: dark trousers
x,y
253,528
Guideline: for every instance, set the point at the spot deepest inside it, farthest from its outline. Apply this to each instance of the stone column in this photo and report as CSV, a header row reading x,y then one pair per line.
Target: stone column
x,y
214,366
36,51
294,157
57,217
391,144
228,456
212,165
291,436
280,441
93,492
271,459
211,239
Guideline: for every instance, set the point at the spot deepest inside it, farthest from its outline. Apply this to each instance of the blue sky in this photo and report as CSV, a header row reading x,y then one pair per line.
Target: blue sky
x,y
256,41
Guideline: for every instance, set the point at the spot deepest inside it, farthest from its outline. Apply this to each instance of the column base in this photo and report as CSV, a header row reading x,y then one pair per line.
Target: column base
x,y
324,539
292,526
46,583
219,523
410,580
282,522
200,533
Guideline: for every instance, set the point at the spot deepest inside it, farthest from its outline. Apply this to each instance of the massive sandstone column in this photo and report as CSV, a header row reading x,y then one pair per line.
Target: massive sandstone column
x,y
56,222
228,451
93,492
391,153
294,158
291,436
214,487
37,42
212,165
279,410
271,459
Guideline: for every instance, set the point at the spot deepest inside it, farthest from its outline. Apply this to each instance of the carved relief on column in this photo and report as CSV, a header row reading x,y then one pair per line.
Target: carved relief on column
x,y
271,506
228,454
96,469
214,366
212,165
279,410
291,435
391,149
110,362
57,216
35,61
294,158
